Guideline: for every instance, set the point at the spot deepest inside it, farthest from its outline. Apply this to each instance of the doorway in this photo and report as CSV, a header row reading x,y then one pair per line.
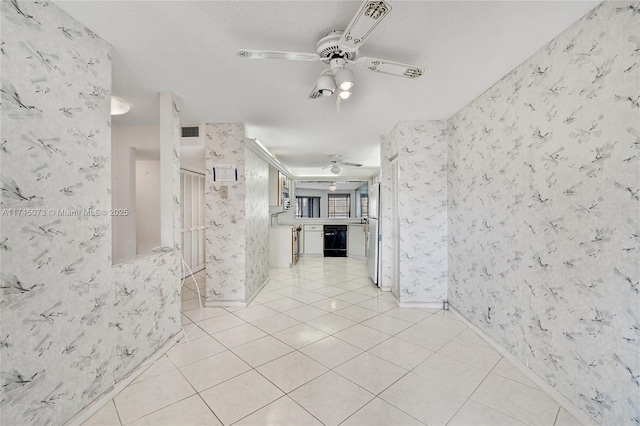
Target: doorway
x,y
192,219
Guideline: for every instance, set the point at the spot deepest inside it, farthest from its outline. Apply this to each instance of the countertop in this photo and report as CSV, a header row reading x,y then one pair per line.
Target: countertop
x,y
323,222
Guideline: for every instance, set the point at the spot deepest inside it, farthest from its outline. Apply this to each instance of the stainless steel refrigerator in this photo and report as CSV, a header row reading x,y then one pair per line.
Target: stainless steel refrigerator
x,y
373,234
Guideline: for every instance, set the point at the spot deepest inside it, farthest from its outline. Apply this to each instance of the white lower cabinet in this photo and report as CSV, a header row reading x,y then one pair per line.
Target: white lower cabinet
x,y
356,242
313,240
280,247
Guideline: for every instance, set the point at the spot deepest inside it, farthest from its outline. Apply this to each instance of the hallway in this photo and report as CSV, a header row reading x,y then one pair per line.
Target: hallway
x,y
321,345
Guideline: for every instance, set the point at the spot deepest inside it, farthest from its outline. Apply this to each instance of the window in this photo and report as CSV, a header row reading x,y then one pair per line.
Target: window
x,y
339,205
307,207
364,205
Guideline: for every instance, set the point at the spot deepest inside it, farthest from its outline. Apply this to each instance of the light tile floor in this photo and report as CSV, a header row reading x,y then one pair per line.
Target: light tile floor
x,y
321,345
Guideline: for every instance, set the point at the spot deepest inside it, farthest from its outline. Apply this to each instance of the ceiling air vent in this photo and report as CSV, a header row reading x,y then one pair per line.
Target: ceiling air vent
x,y
191,132
192,135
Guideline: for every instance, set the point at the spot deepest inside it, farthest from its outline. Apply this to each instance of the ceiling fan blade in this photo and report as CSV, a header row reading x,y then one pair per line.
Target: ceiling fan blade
x,y
391,68
370,14
328,166
351,164
268,54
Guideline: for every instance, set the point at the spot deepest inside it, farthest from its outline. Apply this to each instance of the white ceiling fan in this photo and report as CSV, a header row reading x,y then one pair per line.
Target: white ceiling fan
x,y
336,162
339,49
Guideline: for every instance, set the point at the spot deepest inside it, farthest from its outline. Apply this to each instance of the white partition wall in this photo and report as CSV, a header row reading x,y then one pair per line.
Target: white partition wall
x,y
192,219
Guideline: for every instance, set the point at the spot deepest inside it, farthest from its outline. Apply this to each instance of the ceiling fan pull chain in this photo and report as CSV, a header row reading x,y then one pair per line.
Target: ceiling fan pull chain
x,y
338,101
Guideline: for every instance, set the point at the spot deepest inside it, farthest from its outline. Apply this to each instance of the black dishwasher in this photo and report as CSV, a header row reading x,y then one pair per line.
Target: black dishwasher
x,y
335,240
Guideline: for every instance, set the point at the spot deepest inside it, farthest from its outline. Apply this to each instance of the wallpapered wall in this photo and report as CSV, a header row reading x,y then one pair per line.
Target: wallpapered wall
x,y
237,233
69,321
146,309
257,221
544,213
225,218
147,301
388,149
421,149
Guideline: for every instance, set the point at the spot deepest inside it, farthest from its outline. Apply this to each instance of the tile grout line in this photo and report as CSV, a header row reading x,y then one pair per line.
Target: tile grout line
x,y
267,379
303,354
333,334
117,412
555,420
379,393
468,398
480,384
196,391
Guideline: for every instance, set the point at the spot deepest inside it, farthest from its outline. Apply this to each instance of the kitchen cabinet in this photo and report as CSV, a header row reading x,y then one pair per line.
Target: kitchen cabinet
x,y
356,241
279,189
285,188
313,240
274,187
282,246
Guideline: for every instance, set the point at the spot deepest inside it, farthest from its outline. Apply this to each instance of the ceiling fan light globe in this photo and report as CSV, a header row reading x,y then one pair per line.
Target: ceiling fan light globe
x,y
335,169
344,94
345,79
326,85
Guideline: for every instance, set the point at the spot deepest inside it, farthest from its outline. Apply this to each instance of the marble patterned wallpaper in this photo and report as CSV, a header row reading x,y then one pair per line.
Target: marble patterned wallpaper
x,y
544,213
225,218
148,288
71,324
57,334
388,150
422,200
237,231
146,309
421,149
257,221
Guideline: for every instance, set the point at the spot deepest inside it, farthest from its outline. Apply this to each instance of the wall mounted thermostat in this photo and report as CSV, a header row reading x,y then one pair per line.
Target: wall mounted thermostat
x,y
224,172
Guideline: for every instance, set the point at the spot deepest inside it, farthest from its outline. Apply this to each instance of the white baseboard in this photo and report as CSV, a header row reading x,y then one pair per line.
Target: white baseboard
x,y
236,303
385,289
224,304
354,256
581,416
258,290
88,411
430,305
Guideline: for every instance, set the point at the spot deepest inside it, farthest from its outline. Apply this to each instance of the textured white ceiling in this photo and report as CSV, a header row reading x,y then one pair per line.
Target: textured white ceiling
x,y
188,47
324,185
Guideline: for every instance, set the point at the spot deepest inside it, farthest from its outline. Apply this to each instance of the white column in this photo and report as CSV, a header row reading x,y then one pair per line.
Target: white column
x,y
169,171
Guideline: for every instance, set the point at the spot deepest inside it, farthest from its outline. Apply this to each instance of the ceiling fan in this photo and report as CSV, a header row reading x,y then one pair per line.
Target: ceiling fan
x,y
339,49
336,161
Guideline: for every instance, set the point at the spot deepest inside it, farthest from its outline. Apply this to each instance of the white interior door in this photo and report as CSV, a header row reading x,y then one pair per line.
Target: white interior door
x,y
192,219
